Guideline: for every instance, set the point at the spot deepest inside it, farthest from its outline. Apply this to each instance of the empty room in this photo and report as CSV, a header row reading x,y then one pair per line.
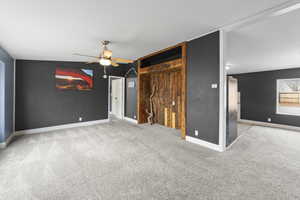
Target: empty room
x,y
149,99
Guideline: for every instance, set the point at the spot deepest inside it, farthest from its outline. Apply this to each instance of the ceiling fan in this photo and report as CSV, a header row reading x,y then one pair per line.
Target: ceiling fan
x,y
105,58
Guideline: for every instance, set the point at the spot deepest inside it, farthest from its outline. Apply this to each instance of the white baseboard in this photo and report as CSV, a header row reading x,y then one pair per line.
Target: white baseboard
x,y
130,120
267,124
204,143
7,141
60,127
3,145
232,143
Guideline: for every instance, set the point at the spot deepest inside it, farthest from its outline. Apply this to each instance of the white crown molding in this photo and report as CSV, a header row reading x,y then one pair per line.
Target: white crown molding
x,y
250,19
265,14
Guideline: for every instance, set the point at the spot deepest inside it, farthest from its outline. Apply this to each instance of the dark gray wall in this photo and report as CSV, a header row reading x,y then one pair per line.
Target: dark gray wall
x,y
131,93
131,98
6,95
2,107
40,104
203,61
258,96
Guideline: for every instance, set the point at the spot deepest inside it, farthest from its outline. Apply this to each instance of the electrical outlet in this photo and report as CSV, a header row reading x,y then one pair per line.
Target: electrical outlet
x,y
196,133
80,119
134,117
269,119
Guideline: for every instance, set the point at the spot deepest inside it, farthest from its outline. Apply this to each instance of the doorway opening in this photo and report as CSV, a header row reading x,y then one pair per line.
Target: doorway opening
x,y
232,110
263,54
116,97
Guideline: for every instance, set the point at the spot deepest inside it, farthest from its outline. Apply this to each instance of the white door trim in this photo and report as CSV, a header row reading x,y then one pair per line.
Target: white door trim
x,y
123,94
222,93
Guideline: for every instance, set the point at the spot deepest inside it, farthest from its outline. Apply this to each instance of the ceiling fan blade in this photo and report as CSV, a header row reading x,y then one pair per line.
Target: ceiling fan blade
x,y
114,64
77,54
92,62
122,60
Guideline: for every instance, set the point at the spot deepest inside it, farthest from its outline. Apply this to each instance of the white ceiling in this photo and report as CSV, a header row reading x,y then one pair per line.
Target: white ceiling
x,y
271,44
55,29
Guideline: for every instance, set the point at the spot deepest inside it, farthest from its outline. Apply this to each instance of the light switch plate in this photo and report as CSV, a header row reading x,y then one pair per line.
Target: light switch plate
x,y
131,84
214,85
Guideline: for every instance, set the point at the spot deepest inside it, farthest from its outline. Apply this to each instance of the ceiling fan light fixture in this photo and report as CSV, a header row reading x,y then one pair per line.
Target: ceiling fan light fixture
x,y
105,61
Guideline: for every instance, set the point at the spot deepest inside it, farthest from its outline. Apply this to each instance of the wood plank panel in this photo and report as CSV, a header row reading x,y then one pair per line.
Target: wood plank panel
x,y
138,106
168,89
166,66
144,95
183,94
166,116
173,120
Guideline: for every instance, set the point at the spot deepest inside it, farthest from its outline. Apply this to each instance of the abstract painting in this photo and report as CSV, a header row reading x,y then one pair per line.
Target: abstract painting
x,y
74,79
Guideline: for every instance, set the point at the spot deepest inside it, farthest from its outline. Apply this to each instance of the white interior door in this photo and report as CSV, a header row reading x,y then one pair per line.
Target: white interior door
x,y
116,97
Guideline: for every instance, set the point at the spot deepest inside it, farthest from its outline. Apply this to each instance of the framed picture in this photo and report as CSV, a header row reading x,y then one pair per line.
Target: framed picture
x,y
288,96
74,79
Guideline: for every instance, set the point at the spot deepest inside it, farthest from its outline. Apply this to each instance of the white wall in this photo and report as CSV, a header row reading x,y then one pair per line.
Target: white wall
x,y
7,95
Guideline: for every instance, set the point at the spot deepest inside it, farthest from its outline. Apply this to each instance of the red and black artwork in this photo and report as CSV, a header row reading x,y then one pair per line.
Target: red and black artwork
x,y
74,79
